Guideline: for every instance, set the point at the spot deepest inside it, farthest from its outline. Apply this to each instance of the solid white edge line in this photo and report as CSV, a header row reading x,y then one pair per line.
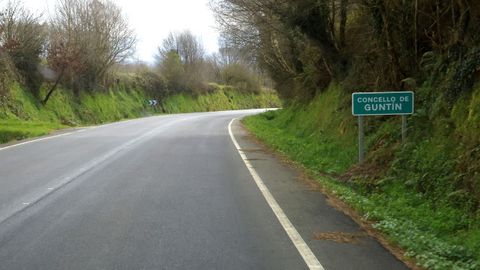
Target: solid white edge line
x,y
302,247
83,129
37,140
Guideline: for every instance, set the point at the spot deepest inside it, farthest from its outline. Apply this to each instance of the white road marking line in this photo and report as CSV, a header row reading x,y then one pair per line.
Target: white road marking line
x,y
302,247
65,180
37,140
63,134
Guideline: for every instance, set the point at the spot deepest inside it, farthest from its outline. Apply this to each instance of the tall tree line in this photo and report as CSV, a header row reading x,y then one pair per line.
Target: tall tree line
x,y
84,46
376,44
185,66
77,46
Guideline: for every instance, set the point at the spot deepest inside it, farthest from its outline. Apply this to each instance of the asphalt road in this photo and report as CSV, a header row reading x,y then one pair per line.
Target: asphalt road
x,y
166,192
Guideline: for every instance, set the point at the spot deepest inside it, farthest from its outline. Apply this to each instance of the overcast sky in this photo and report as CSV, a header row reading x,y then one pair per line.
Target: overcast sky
x,y
153,20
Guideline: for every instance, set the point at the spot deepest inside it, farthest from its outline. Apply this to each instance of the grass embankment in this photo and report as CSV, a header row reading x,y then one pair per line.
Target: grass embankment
x,y
22,115
415,194
17,130
220,99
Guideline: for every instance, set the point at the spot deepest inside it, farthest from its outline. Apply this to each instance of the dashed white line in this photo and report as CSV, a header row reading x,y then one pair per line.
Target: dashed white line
x,y
302,247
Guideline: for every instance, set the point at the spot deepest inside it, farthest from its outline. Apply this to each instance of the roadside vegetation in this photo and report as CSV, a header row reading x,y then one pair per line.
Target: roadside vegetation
x,y
76,67
423,195
434,226
220,99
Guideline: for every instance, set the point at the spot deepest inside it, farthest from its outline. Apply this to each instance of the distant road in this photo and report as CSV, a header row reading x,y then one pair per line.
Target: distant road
x,y
167,192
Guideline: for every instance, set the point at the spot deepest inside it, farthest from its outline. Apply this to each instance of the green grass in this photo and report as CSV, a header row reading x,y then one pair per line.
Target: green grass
x,y
11,130
434,236
223,98
324,143
414,199
22,116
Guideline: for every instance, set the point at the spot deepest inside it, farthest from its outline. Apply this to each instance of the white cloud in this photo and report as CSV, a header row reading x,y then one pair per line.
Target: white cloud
x,y
154,20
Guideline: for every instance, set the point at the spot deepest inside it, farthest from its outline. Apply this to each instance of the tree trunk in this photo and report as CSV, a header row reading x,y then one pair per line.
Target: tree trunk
x,y
53,88
398,72
463,21
415,31
333,18
343,21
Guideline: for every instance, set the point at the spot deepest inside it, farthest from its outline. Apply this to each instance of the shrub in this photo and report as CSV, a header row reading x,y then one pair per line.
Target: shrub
x,y
241,78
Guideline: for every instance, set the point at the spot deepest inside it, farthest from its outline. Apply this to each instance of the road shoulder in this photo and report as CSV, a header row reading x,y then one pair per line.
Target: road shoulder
x,y
334,232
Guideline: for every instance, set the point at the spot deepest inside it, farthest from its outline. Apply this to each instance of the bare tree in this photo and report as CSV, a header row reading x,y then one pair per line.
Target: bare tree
x,y
23,38
186,45
186,50
91,36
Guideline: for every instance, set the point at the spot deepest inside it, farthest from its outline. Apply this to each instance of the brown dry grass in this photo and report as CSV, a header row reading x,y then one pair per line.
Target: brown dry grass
x,y
341,237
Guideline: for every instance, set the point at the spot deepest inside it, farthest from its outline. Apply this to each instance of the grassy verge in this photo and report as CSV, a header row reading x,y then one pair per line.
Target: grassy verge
x,y
320,136
11,130
222,98
22,116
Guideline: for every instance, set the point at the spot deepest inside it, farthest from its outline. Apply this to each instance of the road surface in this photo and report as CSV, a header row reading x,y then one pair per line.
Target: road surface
x,y
166,192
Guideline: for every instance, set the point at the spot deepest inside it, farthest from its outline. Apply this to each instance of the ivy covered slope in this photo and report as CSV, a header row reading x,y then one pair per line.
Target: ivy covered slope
x,y
424,195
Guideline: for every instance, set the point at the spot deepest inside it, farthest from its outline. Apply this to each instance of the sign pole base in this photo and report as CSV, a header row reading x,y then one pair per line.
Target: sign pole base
x,y
404,129
361,140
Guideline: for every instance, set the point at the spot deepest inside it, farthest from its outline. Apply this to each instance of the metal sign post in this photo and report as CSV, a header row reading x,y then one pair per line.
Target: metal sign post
x,y
361,140
381,103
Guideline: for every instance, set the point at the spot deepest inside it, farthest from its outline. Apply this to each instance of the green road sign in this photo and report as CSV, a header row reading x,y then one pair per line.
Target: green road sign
x,y
382,103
